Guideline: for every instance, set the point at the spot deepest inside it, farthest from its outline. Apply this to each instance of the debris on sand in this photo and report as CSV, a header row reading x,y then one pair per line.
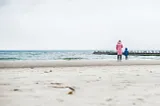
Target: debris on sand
x,y
56,83
70,93
59,85
72,90
16,89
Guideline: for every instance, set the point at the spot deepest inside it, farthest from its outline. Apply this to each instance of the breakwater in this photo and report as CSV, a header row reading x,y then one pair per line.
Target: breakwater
x,y
131,52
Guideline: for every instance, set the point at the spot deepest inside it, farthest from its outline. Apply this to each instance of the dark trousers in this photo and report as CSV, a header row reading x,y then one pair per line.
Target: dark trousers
x,y
126,57
119,57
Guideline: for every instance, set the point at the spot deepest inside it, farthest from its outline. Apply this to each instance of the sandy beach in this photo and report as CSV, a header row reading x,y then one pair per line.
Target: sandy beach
x,y
80,83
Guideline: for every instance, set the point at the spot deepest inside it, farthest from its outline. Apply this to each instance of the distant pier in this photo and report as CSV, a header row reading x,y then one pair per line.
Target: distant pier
x,y
131,52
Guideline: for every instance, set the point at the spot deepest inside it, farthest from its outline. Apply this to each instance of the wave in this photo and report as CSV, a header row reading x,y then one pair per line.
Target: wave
x,y
9,58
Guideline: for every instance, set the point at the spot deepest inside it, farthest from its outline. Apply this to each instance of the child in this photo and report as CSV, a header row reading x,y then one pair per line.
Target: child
x,y
126,53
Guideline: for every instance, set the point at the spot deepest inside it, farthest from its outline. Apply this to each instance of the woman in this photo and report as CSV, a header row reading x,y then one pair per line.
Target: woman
x,y
119,47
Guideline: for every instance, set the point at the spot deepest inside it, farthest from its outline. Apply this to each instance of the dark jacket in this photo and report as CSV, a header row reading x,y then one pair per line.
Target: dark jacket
x,y
126,53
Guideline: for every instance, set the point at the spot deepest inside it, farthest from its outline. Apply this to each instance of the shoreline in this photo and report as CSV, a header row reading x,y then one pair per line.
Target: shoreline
x,y
74,63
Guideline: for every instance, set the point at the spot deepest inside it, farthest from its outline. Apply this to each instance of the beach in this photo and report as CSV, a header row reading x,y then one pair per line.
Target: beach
x,y
80,83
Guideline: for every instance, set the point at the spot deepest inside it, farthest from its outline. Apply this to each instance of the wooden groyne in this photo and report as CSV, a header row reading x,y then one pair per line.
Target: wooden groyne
x,y
131,52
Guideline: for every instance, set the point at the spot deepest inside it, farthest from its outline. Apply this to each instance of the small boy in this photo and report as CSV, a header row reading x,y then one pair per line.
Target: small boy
x,y
126,53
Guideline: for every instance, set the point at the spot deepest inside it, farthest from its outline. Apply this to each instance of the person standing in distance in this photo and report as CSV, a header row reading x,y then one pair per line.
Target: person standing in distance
x,y
119,47
126,53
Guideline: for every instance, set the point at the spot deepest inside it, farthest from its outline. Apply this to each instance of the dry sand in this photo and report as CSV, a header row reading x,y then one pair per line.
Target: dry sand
x,y
111,85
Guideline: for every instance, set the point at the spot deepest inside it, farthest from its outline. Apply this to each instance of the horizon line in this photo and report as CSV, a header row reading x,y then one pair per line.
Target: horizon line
x,y
71,49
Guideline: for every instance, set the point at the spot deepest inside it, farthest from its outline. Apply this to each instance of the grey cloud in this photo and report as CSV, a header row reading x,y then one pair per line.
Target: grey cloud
x,y
79,24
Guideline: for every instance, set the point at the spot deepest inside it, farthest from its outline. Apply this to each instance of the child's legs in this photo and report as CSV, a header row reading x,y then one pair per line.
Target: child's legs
x,y
126,57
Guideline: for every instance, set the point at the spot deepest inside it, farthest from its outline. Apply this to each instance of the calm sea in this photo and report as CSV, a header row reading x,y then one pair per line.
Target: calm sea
x,y
62,55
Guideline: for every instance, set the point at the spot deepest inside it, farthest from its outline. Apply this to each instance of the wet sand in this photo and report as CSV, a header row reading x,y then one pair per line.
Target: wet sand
x,y
74,63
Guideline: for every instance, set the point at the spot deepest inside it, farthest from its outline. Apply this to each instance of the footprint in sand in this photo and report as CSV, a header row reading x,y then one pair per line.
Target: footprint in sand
x,y
92,81
140,99
4,84
60,100
109,99
46,72
103,104
37,83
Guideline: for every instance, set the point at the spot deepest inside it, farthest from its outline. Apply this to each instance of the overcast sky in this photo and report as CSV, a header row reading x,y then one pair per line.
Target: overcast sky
x,y
79,24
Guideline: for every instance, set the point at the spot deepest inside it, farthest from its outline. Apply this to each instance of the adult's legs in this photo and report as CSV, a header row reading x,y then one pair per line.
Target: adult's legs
x,y
120,57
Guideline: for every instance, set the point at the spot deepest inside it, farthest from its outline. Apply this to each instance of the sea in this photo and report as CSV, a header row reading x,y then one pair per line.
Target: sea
x,y
15,55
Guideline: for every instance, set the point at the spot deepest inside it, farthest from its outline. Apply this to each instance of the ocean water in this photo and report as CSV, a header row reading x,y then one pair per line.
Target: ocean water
x,y
63,55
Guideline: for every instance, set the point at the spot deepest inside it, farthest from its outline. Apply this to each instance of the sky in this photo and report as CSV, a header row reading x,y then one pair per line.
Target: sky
x,y
79,24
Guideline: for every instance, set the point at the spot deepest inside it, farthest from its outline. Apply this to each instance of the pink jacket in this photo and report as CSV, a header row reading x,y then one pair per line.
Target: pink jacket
x,y
119,47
